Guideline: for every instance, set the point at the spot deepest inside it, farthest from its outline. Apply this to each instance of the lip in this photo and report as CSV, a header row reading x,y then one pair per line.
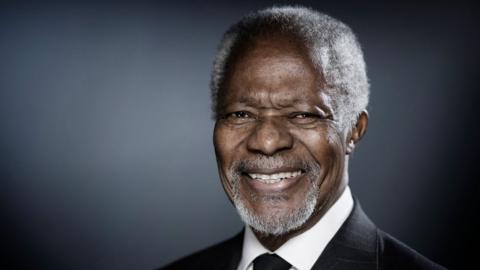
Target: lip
x,y
275,187
273,171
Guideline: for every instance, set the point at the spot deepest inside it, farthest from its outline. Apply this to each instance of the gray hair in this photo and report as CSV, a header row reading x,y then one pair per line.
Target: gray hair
x,y
332,46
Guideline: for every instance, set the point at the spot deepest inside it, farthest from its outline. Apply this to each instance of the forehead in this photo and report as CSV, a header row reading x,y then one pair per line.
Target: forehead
x,y
276,68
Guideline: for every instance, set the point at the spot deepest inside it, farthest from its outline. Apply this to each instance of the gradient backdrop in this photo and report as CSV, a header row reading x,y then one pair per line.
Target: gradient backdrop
x,y
106,156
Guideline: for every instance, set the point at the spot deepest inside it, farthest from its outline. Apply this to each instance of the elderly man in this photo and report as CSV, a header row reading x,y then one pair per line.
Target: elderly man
x,y
289,92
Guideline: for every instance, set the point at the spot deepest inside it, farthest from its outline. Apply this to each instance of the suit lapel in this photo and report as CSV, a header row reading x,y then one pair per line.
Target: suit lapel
x,y
230,255
353,247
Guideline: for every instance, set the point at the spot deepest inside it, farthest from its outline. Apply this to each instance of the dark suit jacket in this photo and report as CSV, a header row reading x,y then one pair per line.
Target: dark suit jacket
x,y
358,244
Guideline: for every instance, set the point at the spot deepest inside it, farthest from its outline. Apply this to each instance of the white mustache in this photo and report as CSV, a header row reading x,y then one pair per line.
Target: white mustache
x,y
272,163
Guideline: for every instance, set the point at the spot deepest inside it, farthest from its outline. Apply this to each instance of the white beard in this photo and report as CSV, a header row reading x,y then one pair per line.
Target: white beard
x,y
278,221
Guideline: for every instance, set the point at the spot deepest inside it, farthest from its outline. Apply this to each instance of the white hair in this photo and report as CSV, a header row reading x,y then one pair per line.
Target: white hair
x,y
332,46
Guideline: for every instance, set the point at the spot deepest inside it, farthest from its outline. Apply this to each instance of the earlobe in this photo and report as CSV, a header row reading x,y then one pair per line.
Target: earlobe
x,y
357,132
350,147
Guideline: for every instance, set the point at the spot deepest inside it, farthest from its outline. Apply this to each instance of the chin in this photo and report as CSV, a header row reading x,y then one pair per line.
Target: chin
x,y
277,205
277,219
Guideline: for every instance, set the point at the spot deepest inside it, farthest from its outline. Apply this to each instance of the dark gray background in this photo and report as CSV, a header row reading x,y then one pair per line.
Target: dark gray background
x,y
106,157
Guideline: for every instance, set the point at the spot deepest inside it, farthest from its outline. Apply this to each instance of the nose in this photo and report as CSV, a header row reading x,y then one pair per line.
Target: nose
x,y
269,137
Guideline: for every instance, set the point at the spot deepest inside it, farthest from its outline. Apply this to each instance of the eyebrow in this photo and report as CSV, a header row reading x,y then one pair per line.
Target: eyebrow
x,y
253,101
299,99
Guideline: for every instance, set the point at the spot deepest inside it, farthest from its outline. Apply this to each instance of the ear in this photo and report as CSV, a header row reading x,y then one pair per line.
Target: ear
x,y
357,131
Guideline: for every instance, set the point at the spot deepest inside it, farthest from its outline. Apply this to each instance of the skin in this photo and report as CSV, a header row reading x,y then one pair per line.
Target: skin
x,y
274,106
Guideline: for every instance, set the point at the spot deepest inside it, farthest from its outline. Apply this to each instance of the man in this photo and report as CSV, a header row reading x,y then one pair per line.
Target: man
x,y
290,92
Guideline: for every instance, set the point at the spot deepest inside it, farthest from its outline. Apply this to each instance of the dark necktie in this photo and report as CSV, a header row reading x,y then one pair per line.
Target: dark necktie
x,y
270,262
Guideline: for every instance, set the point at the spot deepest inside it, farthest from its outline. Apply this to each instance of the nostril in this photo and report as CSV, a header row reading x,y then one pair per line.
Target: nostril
x,y
269,137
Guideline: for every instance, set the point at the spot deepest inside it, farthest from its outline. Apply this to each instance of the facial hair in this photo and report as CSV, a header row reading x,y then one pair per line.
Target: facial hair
x,y
279,221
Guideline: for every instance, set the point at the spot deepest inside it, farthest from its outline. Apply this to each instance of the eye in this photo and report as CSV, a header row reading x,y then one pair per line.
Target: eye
x,y
304,117
239,117
241,114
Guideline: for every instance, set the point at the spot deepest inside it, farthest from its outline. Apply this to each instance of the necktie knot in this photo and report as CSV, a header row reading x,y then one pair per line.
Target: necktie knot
x,y
270,262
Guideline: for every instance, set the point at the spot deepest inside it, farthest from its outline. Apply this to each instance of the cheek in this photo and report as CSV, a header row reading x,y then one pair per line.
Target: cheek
x,y
222,150
222,140
227,141
323,144
330,154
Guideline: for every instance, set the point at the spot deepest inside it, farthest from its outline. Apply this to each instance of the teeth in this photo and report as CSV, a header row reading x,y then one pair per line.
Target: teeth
x,y
274,178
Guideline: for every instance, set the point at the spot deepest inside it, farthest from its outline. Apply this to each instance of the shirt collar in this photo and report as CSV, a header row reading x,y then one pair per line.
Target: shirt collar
x,y
303,250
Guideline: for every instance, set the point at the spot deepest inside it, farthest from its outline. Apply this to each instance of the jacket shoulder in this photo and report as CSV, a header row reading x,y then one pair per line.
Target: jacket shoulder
x,y
218,256
394,254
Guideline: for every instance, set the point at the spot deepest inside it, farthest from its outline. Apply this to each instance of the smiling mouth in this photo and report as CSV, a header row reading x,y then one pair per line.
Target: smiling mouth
x,y
274,177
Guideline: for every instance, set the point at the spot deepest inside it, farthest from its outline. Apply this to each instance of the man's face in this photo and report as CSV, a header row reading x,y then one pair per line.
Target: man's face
x,y
280,155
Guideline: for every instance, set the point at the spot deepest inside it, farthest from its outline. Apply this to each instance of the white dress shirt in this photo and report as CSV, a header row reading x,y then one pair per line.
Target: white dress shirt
x,y
303,250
